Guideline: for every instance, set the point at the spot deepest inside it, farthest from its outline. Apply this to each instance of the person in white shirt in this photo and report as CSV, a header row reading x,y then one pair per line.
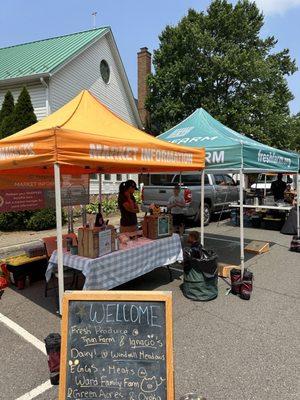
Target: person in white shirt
x,y
176,204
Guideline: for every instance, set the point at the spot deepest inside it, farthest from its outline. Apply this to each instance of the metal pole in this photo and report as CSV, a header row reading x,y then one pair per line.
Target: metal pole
x,y
202,207
59,235
100,188
265,189
242,223
298,204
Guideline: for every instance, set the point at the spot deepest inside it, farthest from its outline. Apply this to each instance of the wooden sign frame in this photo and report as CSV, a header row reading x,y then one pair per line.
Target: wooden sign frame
x,y
153,296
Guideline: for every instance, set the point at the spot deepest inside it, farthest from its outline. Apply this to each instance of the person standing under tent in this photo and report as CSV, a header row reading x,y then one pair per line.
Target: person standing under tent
x,y
128,206
278,188
176,204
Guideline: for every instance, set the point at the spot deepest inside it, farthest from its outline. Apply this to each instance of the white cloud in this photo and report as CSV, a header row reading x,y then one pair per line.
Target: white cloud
x,y
276,6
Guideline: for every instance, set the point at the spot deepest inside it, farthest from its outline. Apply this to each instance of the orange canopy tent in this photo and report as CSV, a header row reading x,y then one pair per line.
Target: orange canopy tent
x,y
84,137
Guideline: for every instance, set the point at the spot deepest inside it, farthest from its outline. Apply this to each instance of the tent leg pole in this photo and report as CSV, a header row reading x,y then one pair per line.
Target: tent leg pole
x,y
100,189
298,205
71,217
202,208
59,235
242,257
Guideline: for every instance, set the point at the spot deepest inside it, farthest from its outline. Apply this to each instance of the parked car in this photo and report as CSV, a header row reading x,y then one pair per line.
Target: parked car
x,y
220,191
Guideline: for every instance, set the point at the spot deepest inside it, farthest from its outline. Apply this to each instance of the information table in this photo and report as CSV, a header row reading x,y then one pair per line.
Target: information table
x,y
114,269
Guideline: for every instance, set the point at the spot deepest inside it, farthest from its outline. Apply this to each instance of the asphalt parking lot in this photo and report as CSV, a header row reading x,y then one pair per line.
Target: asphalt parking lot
x,y
224,349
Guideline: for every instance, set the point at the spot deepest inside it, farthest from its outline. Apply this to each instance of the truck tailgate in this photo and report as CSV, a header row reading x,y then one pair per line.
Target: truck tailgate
x,y
157,194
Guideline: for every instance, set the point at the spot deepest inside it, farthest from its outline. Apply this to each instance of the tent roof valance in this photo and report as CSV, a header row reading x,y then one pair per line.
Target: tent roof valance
x,y
86,137
226,149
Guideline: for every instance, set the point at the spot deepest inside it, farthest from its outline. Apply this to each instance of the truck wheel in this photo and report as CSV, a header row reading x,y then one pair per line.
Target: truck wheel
x,y
207,214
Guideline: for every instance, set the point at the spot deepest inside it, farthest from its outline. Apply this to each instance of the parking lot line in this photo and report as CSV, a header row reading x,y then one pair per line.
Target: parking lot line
x,y
36,392
23,333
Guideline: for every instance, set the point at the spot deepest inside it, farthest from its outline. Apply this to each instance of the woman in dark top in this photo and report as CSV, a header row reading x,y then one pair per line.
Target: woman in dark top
x,y
128,206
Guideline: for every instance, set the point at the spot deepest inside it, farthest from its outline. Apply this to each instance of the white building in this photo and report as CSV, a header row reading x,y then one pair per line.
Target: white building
x,y
55,70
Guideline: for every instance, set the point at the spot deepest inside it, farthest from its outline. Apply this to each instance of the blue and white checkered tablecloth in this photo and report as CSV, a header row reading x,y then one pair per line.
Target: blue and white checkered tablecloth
x,y
121,266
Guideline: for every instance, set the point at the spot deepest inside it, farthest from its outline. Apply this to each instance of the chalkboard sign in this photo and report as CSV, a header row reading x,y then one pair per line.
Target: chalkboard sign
x,y
117,345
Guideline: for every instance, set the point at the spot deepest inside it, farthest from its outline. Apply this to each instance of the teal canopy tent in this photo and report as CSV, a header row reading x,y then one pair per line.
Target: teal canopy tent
x,y
227,150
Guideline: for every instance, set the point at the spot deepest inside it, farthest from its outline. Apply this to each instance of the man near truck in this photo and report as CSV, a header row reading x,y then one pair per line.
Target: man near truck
x,y
176,204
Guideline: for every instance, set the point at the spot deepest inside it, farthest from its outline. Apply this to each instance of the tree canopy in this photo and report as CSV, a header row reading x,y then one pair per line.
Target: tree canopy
x,y
296,133
219,60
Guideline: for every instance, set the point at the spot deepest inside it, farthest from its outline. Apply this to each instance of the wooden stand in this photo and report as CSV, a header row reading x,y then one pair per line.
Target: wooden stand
x,y
257,247
224,269
152,226
88,241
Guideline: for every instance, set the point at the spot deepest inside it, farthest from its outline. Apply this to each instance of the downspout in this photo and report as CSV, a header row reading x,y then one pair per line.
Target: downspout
x,y
46,86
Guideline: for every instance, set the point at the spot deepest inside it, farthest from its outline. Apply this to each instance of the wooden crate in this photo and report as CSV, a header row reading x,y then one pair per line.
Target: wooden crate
x,y
257,247
224,269
151,228
88,241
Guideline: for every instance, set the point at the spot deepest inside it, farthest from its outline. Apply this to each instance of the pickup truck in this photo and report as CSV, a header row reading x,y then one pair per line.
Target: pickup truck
x,y
220,191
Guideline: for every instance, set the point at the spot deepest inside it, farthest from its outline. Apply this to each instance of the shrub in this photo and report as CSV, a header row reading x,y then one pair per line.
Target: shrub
x,y
92,208
44,219
109,206
15,221
138,197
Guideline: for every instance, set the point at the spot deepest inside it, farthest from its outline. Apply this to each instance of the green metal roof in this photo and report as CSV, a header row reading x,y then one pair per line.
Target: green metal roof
x,y
44,56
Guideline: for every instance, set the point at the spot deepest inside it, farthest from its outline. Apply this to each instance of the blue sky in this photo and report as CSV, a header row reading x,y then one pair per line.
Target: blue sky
x,y
135,23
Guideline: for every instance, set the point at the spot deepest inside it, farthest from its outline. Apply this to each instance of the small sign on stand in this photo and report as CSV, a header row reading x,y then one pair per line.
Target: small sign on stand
x,y
105,242
117,345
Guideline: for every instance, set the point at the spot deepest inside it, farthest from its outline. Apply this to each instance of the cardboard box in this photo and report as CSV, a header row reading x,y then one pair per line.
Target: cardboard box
x,y
90,245
257,247
224,269
158,226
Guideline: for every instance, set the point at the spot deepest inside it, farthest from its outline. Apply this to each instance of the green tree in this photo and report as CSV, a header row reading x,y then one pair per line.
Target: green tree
x,y
7,126
6,112
23,113
219,61
296,133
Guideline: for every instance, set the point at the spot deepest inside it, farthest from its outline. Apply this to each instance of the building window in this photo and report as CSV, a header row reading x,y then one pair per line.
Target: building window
x,y
105,71
107,177
119,177
94,177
